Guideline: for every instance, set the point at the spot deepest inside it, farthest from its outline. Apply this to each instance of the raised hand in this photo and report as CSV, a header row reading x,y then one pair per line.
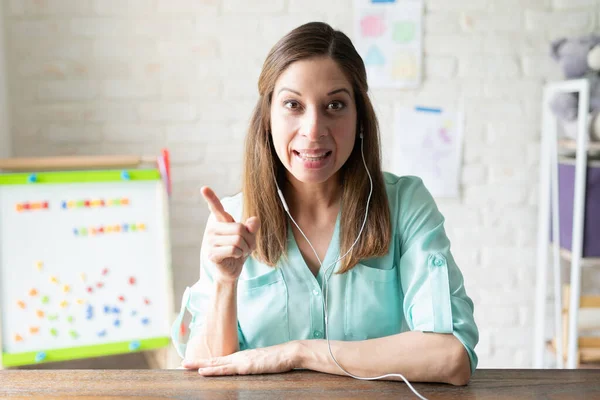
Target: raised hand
x,y
227,243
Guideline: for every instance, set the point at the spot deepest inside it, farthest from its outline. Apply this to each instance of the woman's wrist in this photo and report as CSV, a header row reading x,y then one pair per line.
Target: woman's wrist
x,y
299,352
225,284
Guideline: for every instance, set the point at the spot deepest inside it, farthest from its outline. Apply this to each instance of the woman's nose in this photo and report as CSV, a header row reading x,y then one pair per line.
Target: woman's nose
x,y
314,125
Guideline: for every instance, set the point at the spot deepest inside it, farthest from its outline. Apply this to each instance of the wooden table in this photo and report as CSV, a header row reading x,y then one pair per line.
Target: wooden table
x,y
155,384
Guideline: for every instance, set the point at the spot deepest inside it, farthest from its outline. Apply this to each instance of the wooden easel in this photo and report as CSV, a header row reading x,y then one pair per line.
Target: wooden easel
x,y
156,359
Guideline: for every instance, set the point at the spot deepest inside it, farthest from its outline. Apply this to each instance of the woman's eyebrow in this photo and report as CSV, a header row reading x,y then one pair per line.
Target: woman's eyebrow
x,y
338,91
328,94
289,90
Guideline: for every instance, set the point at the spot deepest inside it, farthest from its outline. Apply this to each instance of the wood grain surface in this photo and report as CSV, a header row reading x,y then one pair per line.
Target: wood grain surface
x,y
182,384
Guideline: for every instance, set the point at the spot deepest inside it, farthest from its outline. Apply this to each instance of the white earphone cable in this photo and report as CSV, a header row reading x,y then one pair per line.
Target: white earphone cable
x,y
326,276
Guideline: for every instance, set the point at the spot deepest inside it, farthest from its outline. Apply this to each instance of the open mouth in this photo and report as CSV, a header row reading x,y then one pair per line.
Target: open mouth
x,y
313,157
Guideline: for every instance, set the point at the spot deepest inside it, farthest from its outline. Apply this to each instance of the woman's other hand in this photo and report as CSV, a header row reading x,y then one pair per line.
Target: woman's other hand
x,y
267,360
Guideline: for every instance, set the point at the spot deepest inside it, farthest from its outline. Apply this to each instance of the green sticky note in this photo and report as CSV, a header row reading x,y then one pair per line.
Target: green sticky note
x,y
53,317
53,332
133,227
70,318
81,203
404,31
45,299
73,334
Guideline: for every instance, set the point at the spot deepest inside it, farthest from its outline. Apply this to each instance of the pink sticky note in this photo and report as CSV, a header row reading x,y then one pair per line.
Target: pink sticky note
x,y
372,26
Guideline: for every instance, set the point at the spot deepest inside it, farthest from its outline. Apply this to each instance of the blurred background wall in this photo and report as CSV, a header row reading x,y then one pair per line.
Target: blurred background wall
x,y
133,76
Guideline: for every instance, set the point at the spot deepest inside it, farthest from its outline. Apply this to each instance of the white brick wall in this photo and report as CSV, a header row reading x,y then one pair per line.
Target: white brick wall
x,y
5,139
119,76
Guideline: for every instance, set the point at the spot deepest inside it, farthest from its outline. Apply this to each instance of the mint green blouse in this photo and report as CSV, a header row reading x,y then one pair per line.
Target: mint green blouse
x,y
416,286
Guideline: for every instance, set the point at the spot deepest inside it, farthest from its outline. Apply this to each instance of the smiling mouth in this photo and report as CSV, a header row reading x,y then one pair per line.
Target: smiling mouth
x,y
313,157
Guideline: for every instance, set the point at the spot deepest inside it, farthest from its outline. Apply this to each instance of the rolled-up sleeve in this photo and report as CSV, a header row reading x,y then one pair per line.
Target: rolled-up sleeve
x,y
435,299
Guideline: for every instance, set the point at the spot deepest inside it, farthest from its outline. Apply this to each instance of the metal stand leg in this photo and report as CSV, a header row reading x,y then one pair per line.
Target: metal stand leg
x,y
578,218
542,245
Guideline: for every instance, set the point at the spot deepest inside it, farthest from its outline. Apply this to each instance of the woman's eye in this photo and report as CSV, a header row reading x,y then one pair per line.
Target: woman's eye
x,y
335,105
291,104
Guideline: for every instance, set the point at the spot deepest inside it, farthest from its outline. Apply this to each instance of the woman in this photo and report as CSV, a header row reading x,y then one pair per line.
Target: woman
x,y
396,301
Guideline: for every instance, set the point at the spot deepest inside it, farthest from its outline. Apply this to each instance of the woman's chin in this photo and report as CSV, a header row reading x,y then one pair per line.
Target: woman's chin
x,y
312,176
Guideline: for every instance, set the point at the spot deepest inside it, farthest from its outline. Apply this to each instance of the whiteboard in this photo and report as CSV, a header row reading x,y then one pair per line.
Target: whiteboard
x,y
83,264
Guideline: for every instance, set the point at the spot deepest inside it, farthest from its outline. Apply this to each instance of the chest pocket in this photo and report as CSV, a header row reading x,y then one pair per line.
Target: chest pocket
x,y
262,310
373,303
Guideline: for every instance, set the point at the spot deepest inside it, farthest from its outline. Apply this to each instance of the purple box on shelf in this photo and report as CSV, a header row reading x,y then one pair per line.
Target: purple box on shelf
x,y
566,197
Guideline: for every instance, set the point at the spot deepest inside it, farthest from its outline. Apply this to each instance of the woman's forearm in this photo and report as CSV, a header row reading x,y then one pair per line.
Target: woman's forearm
x,y
219,334
420,357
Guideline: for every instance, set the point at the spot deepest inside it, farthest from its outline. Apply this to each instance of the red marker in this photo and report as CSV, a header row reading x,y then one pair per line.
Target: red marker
x,y
182,329
121,298
46,205
86,203
89,289
132,281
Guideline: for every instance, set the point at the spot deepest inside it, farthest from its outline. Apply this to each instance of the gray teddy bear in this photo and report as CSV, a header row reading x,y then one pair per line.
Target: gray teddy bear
x,y
579,58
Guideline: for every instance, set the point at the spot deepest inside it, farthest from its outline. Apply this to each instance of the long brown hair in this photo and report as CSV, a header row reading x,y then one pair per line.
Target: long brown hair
x,y
262,165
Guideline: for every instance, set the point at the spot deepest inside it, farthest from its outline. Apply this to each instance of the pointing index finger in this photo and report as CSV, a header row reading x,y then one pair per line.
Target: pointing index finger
x,y
215,205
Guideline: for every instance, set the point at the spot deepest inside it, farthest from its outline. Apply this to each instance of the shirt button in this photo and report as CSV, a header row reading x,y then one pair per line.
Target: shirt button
x,y
438,260
315,292
317,334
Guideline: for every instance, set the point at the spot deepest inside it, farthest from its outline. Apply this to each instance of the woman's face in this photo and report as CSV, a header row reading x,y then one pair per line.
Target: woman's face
x,y
313,119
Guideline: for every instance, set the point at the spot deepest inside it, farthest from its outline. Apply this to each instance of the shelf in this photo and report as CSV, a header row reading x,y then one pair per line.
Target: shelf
x,y
571,144
589,357
585,261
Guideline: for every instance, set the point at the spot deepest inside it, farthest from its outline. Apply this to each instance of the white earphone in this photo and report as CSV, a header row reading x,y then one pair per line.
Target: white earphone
x,y
285,206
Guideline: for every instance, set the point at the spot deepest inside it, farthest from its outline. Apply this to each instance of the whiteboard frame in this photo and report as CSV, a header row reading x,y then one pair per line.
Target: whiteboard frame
x,y
108,176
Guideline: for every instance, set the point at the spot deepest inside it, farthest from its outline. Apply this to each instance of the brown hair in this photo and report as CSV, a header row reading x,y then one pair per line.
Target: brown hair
x,y
262,165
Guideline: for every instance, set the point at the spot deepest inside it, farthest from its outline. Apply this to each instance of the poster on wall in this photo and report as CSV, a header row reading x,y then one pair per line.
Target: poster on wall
x,y
428,144
388,36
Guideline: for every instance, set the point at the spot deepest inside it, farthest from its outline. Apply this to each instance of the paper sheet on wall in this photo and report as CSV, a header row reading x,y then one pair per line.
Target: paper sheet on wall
x,y
388,36
428,144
